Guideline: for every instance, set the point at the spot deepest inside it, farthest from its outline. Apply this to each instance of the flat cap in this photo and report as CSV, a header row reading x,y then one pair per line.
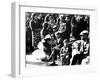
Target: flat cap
x,y
84,32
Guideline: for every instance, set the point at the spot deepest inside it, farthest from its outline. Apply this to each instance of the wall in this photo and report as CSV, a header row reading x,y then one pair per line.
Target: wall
x,y
5,39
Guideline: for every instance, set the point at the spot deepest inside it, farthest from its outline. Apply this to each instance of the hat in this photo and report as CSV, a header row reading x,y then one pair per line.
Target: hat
x,y
47,36
84,32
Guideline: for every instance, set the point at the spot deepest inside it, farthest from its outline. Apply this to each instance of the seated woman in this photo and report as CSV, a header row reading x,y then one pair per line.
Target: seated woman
x,y
43,51
80,52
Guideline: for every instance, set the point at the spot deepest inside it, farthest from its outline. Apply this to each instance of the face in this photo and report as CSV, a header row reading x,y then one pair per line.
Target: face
x,y
86,18
78,18
62,19
83,37
52,21
67,19
35,17
65,44
40,16
52,36
48,41
58,36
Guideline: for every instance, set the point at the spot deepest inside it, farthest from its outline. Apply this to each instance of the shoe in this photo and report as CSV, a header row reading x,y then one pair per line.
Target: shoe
x,y
53,64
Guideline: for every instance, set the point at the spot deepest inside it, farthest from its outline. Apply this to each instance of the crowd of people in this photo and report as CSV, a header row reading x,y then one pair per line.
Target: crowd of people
x,y
63,38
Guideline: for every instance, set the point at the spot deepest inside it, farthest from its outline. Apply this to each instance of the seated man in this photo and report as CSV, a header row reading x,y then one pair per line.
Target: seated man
x,y
81,51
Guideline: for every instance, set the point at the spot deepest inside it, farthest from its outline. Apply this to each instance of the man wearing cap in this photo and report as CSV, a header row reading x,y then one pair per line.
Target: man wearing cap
x,y
82,51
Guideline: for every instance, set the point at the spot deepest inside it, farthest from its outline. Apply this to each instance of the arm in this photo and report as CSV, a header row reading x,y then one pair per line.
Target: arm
x,y
61,51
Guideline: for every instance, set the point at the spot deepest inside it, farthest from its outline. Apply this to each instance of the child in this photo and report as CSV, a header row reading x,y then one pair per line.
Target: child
x,y
65,54
56,49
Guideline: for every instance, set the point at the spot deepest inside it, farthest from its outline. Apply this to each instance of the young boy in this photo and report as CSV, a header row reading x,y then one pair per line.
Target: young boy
x,y
65,54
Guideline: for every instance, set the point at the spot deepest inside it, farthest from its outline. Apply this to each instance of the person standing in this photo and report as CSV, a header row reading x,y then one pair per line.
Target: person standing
x,y
36,28
78,24
48,25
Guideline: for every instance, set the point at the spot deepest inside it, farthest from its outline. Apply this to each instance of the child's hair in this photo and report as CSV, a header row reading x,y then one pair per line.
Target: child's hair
x,y
65,41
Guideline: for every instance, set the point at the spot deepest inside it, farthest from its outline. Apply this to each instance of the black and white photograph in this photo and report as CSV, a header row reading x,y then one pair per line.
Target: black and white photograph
x,y
53,40
57,39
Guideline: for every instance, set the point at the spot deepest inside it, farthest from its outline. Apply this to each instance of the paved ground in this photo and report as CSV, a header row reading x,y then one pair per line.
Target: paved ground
x,y
31,61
